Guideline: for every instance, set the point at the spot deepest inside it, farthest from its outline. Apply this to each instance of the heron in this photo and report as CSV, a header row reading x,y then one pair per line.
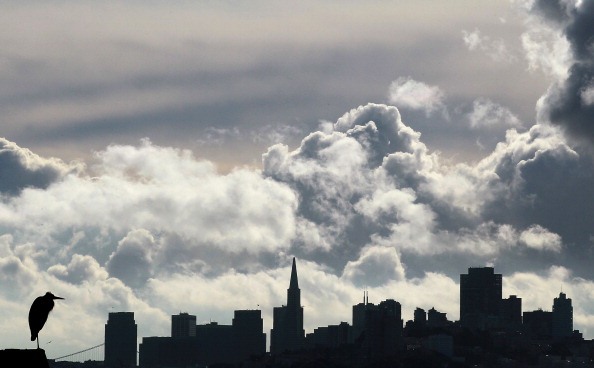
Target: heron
x,y
38,313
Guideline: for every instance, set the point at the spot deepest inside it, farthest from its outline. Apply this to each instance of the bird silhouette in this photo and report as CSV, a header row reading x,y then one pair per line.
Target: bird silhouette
x,y
38,313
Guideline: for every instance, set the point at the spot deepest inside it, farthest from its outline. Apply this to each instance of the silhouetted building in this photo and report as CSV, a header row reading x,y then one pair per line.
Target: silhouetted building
x,y
248,331
183,325
359,312
287,326
216,343
332,336
157,352
480,298
211,344
436,319
382,333
417,327
120,340
562,323
420,317
511,313
538,324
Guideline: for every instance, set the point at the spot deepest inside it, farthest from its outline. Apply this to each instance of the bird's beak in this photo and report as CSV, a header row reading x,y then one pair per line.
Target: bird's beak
x,y
57,297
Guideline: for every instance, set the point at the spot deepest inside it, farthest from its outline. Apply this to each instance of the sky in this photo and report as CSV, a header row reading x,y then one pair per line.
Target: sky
x,y
165,157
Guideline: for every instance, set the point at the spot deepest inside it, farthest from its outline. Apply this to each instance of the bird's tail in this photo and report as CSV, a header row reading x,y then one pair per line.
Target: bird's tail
x,y
33,337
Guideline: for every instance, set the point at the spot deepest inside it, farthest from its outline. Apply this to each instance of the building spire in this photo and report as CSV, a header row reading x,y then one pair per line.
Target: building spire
x,y
294,284
293,293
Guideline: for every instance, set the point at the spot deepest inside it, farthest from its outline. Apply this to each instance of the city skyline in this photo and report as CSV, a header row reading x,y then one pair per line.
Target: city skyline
x,y
374,330
159,156
489,298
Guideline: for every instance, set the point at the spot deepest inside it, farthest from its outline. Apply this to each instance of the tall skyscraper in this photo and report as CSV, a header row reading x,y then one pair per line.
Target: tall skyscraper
x,y
287,326
248,330
359,316
183,325
120,340
562,324
378,328
480,298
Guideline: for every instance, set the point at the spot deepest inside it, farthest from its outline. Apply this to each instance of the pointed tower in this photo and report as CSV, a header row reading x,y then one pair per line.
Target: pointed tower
x,y
293,292
287,326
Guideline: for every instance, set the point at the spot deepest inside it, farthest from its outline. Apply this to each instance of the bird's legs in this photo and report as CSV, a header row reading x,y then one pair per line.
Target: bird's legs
x,y
37,339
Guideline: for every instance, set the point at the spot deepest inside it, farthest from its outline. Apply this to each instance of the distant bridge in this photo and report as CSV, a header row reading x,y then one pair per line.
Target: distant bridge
x,y
96,353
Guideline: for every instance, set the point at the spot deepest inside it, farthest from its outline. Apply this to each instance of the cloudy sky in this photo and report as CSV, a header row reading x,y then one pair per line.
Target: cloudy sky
x,y
161,157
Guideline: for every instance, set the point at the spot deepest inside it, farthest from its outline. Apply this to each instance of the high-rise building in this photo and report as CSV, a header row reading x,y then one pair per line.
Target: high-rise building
x,y
480,298
287,326
183,325
562,317
216,343
248,329
359,315
382,334
511,313
120,340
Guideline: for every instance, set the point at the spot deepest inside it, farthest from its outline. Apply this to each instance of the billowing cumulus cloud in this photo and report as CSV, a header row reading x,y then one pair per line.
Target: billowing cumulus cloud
x,y
20,168
375,266
164,191
363,201
566,101
80,269
408,93
372,176
132,260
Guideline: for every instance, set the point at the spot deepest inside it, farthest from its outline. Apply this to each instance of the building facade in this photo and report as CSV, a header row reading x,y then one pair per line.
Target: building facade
x,y
248,331
562,317
480,298
183,325
120,340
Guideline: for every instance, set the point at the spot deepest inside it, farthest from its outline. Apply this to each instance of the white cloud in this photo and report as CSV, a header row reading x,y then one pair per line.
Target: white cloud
x,y
376,266
496,49
537,237
488,114
545,48
406,92
161,190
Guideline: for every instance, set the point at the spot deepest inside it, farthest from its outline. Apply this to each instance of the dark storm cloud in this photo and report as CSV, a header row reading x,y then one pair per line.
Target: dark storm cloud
x,y
21,168
542,180
569,103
